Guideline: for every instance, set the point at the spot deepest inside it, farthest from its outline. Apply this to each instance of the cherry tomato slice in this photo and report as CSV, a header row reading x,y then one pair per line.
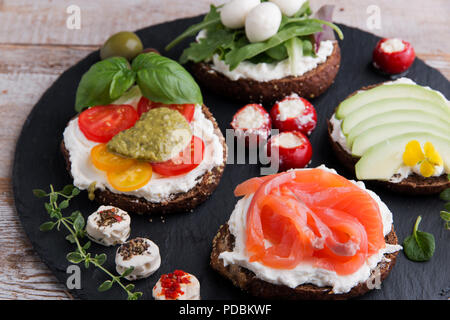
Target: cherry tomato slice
x,y
132,178
107,161
186,161
101,123
187,110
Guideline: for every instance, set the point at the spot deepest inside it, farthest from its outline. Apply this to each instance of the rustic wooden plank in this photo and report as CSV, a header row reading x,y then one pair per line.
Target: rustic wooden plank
x,y
424,23
23,275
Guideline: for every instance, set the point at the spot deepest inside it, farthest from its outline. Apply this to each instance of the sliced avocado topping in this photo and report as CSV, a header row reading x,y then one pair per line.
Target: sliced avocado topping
x,y
159,135
388,92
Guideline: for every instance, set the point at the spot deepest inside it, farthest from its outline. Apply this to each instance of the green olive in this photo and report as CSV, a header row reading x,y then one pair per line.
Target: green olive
x,y
123,44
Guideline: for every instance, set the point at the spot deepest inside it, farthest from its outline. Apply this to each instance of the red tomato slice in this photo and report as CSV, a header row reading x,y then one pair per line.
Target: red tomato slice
x,y
186,161
101,123
187,110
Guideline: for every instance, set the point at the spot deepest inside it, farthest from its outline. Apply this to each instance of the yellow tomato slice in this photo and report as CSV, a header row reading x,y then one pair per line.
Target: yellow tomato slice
x,y
132,178
107,161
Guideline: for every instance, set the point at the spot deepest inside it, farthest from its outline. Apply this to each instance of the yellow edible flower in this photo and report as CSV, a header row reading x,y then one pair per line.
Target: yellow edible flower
x,y
428,158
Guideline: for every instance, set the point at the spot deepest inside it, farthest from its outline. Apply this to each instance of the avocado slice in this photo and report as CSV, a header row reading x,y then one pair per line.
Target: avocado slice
x,y
372,109
386,92
383,132
382,160
395,117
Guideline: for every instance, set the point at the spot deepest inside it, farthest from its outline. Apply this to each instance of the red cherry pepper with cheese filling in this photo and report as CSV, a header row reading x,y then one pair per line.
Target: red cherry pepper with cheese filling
x,y
294,114
393,56
252,123
293,148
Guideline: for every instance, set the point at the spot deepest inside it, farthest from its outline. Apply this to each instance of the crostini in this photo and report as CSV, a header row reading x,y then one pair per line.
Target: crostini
x,y
396,134
146,152
306,234
255,51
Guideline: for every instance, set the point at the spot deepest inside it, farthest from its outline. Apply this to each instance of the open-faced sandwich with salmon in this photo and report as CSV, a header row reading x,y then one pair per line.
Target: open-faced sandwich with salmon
x,y
263,51
143,140
396,133
306,234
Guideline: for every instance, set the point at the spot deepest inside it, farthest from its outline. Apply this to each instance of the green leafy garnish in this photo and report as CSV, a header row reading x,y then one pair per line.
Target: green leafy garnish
x,y
104,82
75,224
232,45
160,79
420,245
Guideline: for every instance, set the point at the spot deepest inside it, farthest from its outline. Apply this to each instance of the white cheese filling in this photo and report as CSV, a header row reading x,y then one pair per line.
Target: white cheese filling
x,y
304,272
108,234
287,140
393,45
159,188
272,71
404,171
290,108
145,264
251,118
191,291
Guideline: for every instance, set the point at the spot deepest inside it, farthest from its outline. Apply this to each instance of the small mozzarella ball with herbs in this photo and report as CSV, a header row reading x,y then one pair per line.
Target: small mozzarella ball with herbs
x,y
108,226
289,7
233,13
263,22
140,253
123,44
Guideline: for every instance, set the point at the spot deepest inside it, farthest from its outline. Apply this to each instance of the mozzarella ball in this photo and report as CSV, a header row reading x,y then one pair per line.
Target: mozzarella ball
x,y
289,7
233,13
140,253
262,22
183,286
108,226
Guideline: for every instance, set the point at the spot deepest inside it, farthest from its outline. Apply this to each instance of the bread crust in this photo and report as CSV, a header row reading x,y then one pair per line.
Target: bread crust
x,y
414,184
309,85
179,202
247,281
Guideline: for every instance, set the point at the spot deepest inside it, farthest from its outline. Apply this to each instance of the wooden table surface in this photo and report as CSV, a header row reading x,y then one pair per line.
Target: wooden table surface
x,y
36,47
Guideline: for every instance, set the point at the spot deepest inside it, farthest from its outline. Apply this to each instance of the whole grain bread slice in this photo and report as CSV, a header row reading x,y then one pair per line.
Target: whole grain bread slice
x,y
309,85
414,184
246,280
180,202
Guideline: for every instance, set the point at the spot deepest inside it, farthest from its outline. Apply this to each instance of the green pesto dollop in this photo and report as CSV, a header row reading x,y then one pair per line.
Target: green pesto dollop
x,y
159,135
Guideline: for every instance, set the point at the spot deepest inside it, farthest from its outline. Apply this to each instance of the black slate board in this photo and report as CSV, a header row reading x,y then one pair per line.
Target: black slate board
x,y
185,239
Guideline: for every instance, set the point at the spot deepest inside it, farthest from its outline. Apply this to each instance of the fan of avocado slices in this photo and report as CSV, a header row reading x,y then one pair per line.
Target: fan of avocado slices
x,y
297,35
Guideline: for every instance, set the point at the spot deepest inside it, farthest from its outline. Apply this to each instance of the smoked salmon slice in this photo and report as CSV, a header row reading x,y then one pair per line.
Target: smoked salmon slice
x,y
312,216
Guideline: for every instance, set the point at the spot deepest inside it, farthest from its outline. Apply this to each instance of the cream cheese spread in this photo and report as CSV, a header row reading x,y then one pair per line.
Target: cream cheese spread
x,y
159,188
304,272
272,71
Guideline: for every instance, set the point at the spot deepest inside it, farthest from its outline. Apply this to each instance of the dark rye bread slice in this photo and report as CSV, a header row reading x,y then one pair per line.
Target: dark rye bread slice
x,y
247,281
414,184
309,85
180,202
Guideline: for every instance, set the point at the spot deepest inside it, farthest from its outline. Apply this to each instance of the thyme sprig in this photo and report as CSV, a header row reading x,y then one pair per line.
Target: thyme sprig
x,y
75,224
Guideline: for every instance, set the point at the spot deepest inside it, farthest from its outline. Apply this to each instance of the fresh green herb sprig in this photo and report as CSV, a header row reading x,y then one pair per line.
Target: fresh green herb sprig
x,y
445,214
75,224
420,245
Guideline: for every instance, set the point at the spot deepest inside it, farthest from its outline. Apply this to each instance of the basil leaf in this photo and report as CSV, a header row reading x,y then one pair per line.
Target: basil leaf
x,y
121,82
445,215
104,82
420,245
278,53
164,80
210,20
445,195
235,57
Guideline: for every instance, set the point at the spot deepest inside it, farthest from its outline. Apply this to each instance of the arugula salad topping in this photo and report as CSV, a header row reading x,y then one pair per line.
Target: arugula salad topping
x,y
160,79
295,37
